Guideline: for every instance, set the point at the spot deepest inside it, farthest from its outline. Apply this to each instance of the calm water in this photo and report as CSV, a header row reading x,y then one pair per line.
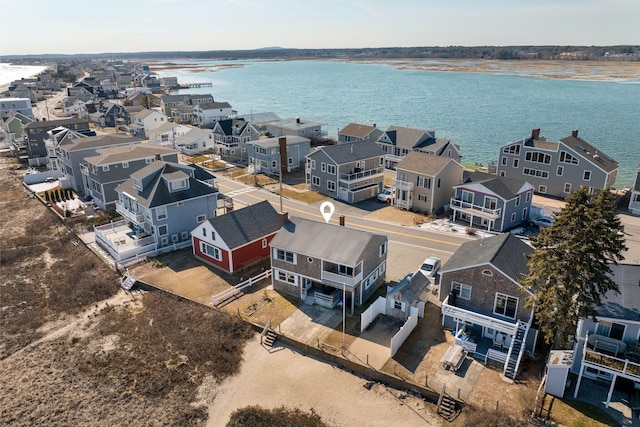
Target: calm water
x,y
479,111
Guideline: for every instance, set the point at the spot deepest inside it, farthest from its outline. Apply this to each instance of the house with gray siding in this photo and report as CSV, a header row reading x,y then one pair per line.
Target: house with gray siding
x,y
320,262
295,127
36,133
607,346
231,137
160,203
424,181
491,202
264,154
484,302
349,172
634,200
557,168
180,107
112,166
354,132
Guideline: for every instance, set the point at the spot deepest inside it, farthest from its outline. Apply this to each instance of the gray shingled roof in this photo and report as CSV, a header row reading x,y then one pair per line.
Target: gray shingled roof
x,y
351,152
408,137
334,243
504,251
505,187
127,152
98,141
246,225
411,286
275,142
423,163
589,152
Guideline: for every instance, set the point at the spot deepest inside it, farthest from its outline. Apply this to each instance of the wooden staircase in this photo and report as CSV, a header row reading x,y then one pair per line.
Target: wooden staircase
x,y
268,336
516,351
447,406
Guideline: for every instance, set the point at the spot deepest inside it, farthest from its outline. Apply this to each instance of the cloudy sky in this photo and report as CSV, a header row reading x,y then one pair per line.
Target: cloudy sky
x,y
74,26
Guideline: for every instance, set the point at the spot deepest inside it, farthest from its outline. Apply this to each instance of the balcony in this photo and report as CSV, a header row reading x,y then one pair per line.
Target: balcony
x,y
402,185
340,279
606,362
466,315
475,210
122,242
392,158
134,217
357,174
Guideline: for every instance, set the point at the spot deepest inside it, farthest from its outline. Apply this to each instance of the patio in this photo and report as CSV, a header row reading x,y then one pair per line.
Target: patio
x,y
124,241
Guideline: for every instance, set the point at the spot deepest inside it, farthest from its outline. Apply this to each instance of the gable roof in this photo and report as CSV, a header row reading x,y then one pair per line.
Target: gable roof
x,y
505,187
351,152
626,304
505,252
127,152
77,144
424,163
50,124
242,226
409,138
193,135
357,130
590,153
411,286
334,243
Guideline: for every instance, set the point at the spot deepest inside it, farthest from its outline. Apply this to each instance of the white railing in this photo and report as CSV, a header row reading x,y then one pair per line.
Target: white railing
x,y
224,295
463,315
131,216
466,205
605,362
361,174
495,355
393,158
340,279
402,185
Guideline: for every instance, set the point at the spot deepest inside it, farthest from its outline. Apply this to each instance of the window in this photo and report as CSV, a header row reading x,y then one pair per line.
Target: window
x,y
331,169
567,188
467,196
535,172
290,160
381,161
527,197
323,166
315,180
568,158
518,200
274,164
264,243
285,256
513,217
505,305
512,149
515,163
201,218
125,164
398,305
524,213
490,203
487,273
610,329
586,176
331,185
503,161
204,232
383,248
461,290
161,212
560,170
345,270
177,184
149,160
261,150
283,276
439,182
163,230
503,173
422,197
537,157
211,251
542,189
105,168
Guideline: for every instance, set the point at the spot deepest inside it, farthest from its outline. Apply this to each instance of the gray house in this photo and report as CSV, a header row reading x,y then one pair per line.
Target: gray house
x,y
405,295
264,154
320,262
161,203
424,181
356,132
295,127
491,202
348,172
36,133
557,168
72,153
483,301
398,141
231,137
101,174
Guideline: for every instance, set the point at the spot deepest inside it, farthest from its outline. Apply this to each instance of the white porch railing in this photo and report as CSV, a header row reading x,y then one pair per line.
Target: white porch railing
x,y
340,279
463,315
129,215
224,295
392,158
402,185
355,176
475,209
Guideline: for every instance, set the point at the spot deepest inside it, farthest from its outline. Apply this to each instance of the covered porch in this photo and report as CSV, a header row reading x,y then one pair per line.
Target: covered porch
x,y
475,214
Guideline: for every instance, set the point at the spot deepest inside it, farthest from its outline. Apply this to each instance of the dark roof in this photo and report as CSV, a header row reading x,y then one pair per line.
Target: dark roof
x,y
504,251
200,173
626,304
589,152
351,152
411,286
246,225
505,187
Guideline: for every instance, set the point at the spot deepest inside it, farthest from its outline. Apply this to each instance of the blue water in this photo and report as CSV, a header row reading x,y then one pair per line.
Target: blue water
x,y
479,111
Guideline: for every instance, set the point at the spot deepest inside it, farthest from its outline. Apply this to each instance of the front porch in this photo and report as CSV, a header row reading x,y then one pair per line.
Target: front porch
x,y
475,214
124,241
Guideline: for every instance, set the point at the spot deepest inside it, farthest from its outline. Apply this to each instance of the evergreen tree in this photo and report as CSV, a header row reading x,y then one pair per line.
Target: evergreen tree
x,y
569,269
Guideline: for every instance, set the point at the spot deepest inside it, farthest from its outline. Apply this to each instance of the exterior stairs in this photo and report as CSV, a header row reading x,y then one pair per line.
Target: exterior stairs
x,y
447,407
269,339
516,351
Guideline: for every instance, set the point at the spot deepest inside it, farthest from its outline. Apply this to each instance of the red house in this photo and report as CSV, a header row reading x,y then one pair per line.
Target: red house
x,y
236,239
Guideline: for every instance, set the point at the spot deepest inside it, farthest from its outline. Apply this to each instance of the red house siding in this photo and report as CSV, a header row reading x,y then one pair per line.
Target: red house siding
x,y
224,263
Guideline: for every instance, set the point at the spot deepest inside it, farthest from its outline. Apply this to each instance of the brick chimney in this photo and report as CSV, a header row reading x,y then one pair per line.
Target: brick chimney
x,y
158,157
341,220
535,133
282,141
282,218
574,133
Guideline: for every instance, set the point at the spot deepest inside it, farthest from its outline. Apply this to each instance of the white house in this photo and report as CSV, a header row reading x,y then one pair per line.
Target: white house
x,y
167,133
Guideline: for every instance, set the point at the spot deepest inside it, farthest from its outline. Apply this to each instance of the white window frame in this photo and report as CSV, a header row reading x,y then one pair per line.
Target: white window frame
x,y
264,243
161,212
331,185
463,289
323,166
315,180
331,169
201,218
383,248
586,175
211,251
285,256
567,187
284,276
507,298
166,230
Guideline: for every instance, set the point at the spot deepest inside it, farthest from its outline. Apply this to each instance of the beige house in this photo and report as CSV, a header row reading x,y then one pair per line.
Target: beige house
x,y
424,182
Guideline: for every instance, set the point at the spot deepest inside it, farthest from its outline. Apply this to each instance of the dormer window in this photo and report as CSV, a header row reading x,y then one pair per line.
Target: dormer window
x,y
137,184
178,184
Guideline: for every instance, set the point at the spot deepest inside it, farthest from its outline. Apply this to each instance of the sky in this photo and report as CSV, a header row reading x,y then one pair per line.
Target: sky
x,y
74,26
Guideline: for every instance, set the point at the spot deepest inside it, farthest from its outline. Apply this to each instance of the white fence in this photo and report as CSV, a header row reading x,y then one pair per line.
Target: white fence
x,y
378,307
224,295
399,338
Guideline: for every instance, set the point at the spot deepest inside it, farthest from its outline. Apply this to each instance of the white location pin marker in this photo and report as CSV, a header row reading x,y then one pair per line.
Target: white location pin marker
x,y
327,209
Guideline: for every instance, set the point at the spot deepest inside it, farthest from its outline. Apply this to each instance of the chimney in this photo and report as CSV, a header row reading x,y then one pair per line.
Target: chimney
x,y
282,218
342,220
282,142
574,133
374,125
158,157
298,120
535,133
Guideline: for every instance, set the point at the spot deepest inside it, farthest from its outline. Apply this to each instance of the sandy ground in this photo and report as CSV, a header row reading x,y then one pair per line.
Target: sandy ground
x,y
283,377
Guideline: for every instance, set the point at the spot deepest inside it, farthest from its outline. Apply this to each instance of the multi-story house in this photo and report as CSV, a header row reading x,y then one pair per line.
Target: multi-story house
x,y
483,300
231,137
295,127
398,141
195,141
161,203
56,137
167,133
146,120
71,153
356,132
108,115
557,168
634,200
424,181
12,126
265,157
37,132
101,174
607,346
327,263
348,172
170,104
205,115
491,202
16,105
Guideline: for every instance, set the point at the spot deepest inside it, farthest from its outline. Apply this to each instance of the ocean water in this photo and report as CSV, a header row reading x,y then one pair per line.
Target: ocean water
x,y
9,72
479,111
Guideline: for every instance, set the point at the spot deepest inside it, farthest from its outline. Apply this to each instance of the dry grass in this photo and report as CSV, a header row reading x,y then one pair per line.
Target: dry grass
x,y
256,180
573,413
303,196
257,416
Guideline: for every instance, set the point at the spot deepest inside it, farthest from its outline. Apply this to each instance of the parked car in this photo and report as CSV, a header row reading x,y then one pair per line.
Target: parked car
x,y
543,221
430,266
386,196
